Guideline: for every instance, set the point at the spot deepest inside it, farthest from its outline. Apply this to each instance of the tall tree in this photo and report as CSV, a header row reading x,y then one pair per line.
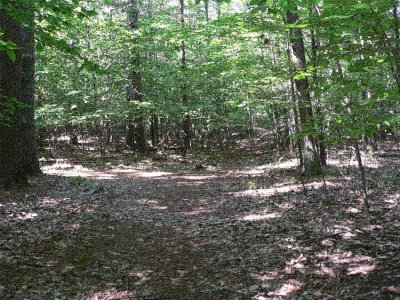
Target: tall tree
x,y
18,151
137,131
186,116
311,163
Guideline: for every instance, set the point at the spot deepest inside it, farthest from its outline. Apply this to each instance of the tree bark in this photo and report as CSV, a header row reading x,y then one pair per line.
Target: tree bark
x,y
310,156
18,148
154,130
206,10
397,41
136,137
320,117
186,124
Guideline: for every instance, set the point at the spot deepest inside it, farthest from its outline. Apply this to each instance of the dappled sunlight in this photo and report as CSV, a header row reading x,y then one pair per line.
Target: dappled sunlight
x,y
371,227
198,211
368,161
297,263
281,189
112,294
73,170
290,243
141,276
324,270
149,174
344,231
194,177
259,217
76,226
353,210
265,276
190,183
362,269
64,168
154,204
287,288
26,216
344,257
288,164
392,201
51,202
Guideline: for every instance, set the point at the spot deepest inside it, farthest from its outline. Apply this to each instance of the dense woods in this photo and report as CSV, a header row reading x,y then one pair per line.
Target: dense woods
x,y
155,74
108,82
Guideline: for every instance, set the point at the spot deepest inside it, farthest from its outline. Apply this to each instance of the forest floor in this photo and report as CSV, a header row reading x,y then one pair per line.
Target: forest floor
x,y
238,226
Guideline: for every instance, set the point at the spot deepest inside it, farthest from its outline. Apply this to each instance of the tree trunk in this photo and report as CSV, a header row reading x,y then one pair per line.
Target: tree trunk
x,y
206,10
136,133
18,149
186,124
397,41
310,156
320,117
362,173
154,130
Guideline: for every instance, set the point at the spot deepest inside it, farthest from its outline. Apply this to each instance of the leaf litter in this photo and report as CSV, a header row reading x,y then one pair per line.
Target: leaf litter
x,y
235,229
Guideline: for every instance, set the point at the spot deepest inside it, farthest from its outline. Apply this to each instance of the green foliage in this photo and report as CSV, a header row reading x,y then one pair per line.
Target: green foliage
x,y
238,69
8,108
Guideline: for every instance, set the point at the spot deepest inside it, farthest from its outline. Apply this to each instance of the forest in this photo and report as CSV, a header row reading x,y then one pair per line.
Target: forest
x,y
199,149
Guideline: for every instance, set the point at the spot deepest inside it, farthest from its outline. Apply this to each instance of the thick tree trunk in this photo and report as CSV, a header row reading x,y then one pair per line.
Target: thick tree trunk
x,y
28,136
136,137
18,149
310,155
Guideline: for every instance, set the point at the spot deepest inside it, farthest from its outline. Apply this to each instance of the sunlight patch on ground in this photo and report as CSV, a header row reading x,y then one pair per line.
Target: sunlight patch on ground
x,y
154,204
194,177
50,202
324,270
344,257
64,168
286,289
198,211
26,216
279,189
392,201
362,269
345,231
263,168
260,217
71,170
266,276
295,264
151,174
368,161
140,277
353,210
371,227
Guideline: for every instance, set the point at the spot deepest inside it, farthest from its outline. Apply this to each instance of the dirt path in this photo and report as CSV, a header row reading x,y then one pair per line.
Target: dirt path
x,y
219,233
